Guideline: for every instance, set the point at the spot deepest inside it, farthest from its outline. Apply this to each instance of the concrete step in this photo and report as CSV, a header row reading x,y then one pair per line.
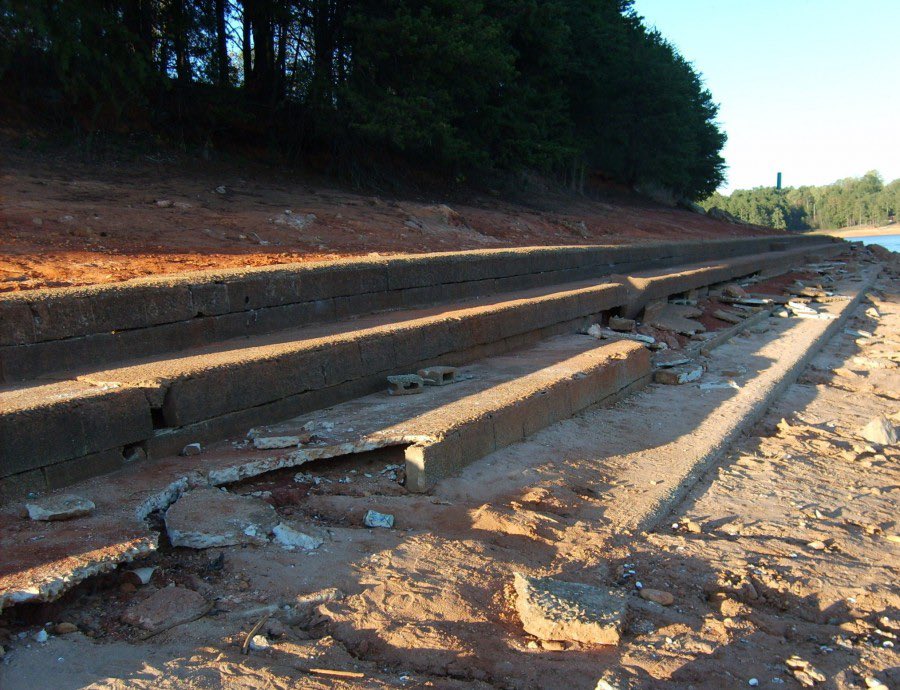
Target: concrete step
x,y
55,432
45,331
496,402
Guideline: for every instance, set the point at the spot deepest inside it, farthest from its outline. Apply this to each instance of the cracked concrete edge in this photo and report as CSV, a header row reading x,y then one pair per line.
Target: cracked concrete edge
x,y
704,464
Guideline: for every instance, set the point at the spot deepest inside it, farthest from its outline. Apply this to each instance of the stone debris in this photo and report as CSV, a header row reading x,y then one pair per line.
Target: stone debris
x,y
64,628
678,375
875,684
734,290
51,508
617,323
291,539
804,672
373,518
276,442
658,596
206,518
166,608
41,636
438,376
192,449
858,333
568,611
881,431
601,333
405,384
677,318
727,316
259,643
670,358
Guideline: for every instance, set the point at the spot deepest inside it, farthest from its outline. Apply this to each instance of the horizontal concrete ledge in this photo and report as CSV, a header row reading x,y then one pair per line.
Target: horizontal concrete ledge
x,y
87,425
53,330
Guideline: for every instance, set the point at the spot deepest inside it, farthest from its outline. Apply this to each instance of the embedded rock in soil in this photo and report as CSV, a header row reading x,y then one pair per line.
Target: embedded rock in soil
x,y
290,538
59,508
657,595
554,610
881,431
166,608
206,518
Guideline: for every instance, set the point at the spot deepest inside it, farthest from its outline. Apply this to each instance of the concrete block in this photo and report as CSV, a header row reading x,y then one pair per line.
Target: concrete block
x,y
16,322
405,384
508,429
17,486
209,299
69,472
438,376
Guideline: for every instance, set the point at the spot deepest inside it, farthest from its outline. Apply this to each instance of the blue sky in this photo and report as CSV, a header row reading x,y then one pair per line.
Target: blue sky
x,y
807,87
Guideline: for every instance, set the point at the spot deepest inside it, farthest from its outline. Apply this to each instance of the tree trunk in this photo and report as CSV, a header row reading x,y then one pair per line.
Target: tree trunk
x,y
246,49
221,43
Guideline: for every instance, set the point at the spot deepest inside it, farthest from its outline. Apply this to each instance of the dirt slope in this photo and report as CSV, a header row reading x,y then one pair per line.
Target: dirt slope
x,y
64,222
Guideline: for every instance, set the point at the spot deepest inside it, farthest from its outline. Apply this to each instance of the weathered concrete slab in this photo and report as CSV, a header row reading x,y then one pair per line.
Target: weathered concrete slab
x,y
554,610
206,518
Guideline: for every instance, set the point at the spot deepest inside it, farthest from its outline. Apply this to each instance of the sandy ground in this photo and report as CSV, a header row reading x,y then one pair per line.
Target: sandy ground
x,y
861,231
64,222
788,547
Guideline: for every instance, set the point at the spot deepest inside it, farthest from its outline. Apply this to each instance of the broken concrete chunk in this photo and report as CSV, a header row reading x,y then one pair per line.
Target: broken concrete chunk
x,y
677,318
275,442
375,519
438,376
166,608
192,449
291,539
259,643
59,508
881,431
734,290
727,316
597,331
405,384
555,610
670,358
205,518
677,375
617,323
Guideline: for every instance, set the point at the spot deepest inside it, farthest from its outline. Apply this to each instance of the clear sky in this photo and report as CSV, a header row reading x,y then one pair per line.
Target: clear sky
x,y
807,87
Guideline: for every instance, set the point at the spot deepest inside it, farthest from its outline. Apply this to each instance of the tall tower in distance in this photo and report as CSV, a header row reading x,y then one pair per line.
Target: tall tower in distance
x,y
778,182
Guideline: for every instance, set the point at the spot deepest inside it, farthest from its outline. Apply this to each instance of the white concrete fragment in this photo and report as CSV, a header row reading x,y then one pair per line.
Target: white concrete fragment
x,y
192,449
274,442
601,333
59,508
291,539
375,519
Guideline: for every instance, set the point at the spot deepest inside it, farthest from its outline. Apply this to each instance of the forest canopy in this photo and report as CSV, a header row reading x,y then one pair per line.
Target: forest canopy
x,y
566,87
865,200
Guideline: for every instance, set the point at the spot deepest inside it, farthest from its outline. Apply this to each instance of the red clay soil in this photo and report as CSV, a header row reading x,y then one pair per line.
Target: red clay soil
x,y
64,222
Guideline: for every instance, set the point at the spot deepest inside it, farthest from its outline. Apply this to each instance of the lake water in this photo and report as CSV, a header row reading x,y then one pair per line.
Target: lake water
x,y
891,242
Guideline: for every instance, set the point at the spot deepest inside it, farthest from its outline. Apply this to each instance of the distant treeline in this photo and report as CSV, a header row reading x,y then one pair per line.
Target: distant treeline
x,y
567,87
862,200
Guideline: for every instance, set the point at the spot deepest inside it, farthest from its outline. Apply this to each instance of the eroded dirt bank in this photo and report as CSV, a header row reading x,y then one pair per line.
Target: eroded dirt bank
x,y
788,547
63,222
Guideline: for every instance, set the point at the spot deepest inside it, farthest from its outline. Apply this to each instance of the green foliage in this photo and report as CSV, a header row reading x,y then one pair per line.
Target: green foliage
x,y
862,200
560,86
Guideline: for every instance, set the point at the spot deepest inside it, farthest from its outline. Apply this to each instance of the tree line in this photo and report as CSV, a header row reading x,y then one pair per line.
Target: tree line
x,y
572,88
865,200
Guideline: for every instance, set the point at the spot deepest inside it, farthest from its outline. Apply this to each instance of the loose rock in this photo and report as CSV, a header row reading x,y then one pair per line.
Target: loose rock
x,y
59,508
65,628
554,610
881,431
165,608
375,519
678,375
617,323
192,449
657,595
290,538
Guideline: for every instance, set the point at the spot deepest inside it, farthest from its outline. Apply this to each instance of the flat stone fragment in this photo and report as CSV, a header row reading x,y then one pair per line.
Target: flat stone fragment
x,y
59,508
405,384
192,449
165,608
597,331
727,316
375,519
291,539
438,376
670,358
881,431
206,518
554,610
275,442
678,375
734,290
617,323
677,318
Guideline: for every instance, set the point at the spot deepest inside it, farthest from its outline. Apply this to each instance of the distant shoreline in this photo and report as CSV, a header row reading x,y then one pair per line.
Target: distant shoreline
x,y
861,231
